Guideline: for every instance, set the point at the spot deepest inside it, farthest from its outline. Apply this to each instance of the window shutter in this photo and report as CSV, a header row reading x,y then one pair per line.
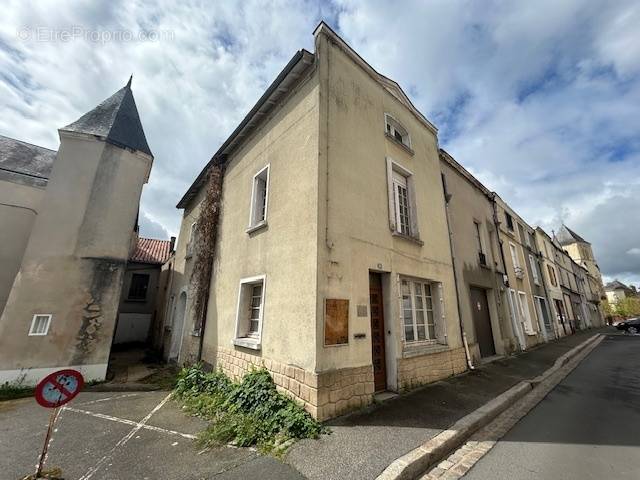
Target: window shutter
x,y
413,212
400,319
390,194
440,320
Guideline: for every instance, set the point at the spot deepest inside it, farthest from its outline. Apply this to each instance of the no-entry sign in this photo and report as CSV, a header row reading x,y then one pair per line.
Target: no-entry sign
x,y
58,388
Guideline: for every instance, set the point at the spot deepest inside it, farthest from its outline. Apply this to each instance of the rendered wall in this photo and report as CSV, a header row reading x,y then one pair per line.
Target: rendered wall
x,y
74,262
354,235
19,205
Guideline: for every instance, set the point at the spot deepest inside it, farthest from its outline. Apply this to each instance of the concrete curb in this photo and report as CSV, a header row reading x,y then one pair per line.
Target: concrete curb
x,y
419,460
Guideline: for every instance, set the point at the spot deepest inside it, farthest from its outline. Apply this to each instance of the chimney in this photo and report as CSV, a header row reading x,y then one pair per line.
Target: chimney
x,y
172,244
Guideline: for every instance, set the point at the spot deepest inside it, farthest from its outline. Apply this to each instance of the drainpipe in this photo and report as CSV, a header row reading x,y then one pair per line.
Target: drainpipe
x,y
463,335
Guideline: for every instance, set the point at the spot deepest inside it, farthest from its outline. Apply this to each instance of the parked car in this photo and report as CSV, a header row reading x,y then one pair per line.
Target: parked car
x,y
631,325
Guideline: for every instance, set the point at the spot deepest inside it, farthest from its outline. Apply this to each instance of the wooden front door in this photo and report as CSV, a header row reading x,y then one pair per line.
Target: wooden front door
x,y
482,322
377,332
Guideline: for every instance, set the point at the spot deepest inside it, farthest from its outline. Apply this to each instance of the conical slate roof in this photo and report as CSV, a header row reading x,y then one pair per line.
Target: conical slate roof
x,y
116,120
566,236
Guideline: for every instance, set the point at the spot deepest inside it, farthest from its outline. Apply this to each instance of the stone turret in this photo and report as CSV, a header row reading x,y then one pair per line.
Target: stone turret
x,y
75,258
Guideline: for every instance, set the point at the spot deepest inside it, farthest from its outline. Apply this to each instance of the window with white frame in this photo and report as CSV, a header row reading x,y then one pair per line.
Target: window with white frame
x,y
402,206
396,131
514,255
40,324
523,310
418,313
259,198
534,269
250,312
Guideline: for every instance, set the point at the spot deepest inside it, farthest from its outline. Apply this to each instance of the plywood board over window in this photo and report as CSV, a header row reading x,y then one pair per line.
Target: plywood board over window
x,y
336,322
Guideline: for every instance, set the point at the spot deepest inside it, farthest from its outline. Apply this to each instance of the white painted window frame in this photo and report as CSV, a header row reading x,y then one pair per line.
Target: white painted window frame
x,y
412,294
255,224
512,297
514,255
389,121
523,309
241,338
534,269
32,333
540,304
392,167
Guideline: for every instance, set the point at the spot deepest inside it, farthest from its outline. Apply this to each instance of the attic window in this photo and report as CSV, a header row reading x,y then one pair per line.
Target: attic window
x,y
259,199
396,131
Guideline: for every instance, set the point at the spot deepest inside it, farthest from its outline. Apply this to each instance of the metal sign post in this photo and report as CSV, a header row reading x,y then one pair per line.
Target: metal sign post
x,y
53,391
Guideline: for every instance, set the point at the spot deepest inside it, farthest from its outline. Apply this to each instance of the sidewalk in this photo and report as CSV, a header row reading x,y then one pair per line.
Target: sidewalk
x,y
362,444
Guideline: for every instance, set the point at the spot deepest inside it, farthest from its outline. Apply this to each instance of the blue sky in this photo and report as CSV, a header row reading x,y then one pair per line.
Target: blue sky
x,y
540,100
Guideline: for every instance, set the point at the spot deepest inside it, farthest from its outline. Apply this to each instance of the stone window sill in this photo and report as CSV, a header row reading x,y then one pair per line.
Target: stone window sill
x,y
399,143
417,349
256,227
245,342
408,237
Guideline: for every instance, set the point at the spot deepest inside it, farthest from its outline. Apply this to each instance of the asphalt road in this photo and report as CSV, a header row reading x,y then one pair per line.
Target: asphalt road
x,y
104,436
588,427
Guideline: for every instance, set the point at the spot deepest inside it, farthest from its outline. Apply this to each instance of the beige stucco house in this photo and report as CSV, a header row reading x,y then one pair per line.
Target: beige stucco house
x,y
552,280
332,263
526,294
68,223
331,241
479,268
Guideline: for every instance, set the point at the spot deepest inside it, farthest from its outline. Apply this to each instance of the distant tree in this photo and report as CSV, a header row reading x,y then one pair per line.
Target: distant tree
x,y
627,307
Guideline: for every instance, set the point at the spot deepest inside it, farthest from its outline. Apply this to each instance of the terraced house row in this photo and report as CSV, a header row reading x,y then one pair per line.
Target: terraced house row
x,y
331,240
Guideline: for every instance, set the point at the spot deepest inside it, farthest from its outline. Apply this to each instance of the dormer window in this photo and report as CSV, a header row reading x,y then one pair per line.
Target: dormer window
x,y
396,131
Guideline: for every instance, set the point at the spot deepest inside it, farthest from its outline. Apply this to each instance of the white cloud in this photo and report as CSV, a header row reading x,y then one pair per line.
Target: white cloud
x,y
539,99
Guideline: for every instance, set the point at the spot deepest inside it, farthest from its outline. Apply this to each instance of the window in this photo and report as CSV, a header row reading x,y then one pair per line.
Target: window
x,y
396,131
552,275
417,311
541,306
250,312
481,256
259,199
509,220
138,287
523,309
534,269
401,198
514,255
402,217
478,236
40,324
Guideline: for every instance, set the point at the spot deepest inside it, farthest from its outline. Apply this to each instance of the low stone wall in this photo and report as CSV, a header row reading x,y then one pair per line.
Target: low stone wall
x,y
420,370
323,395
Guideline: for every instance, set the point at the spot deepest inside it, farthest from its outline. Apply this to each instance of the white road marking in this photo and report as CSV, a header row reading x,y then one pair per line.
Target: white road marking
x,y
129,422
109,398
123,440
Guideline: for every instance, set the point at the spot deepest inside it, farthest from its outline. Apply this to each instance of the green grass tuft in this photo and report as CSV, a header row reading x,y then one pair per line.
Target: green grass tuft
x,y
251,412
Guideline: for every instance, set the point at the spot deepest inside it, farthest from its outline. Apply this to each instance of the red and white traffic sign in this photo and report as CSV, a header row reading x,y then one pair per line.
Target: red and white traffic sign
x,y
59,387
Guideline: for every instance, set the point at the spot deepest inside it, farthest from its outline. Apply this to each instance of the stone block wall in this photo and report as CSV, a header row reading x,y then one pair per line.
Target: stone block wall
x,y
324,396
420,370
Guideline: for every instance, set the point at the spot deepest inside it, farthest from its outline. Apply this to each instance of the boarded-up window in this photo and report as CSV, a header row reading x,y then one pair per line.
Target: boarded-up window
x,y
336,322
